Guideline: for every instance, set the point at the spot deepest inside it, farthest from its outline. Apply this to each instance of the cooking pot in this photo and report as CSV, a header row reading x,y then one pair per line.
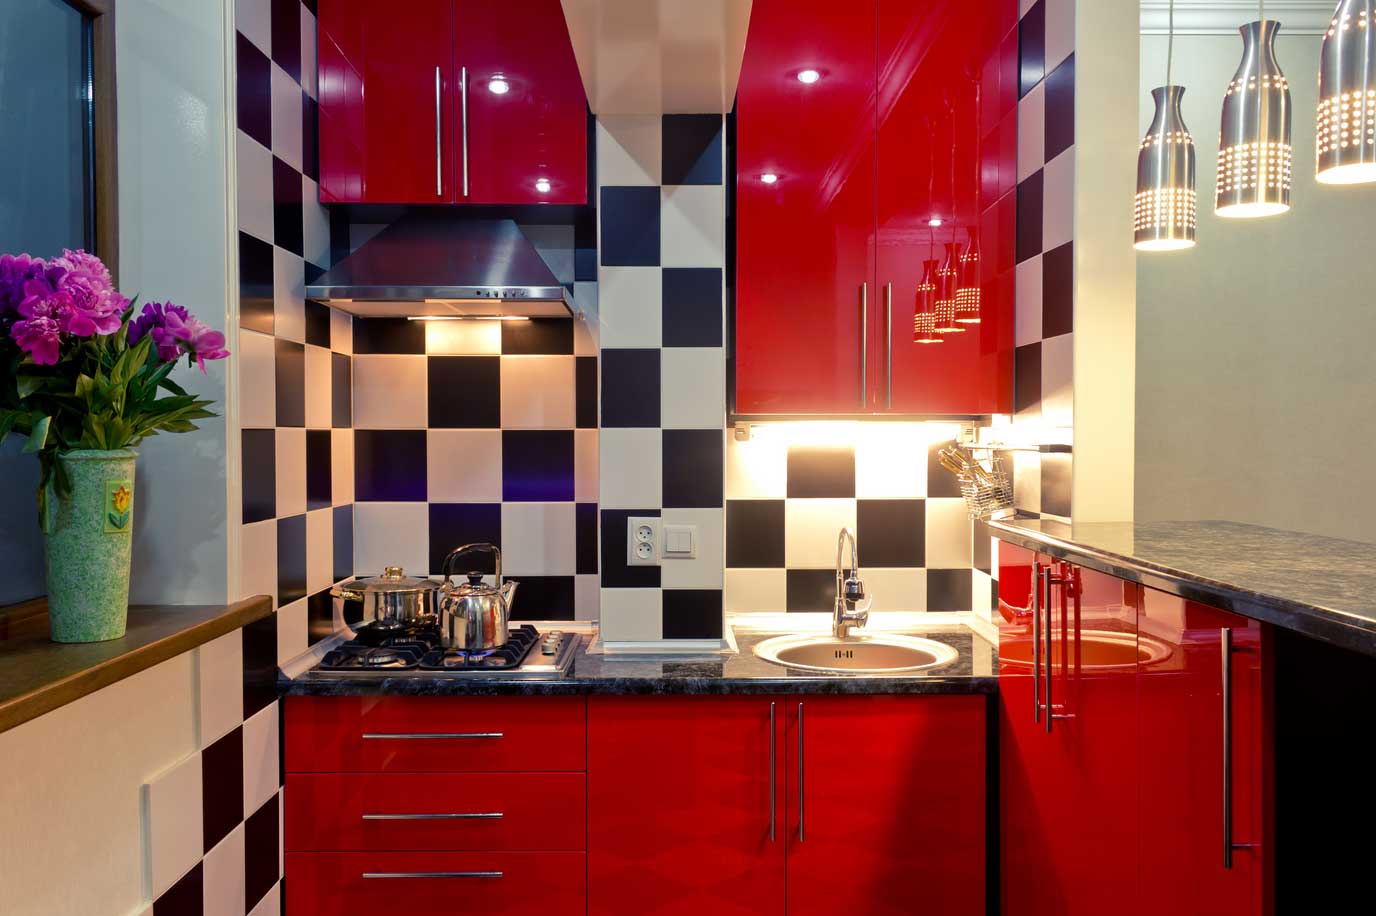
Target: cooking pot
x,y
394,600
473,615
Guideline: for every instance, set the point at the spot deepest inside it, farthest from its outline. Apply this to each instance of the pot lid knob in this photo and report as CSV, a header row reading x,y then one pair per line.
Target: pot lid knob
x,y
391,572
475,578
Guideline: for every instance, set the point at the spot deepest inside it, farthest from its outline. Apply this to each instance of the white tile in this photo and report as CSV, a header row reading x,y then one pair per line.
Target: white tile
x,y
315,226
631,474
258,556
994,557
1031,131
342,331
1060,34
1027,481
463,338
692,221
981,590
756,468
586,331
630,306
319,407
537,392
628,150
292,628
390,392
538,539
260,757
254,19
755,590
257,380
1024,6
890,461
222,877
309,79
291,472
270,905
1058,200
587,597
464,465
219,687
341,466
1027,327
555,246
631,614
585,465
704,570
175,837
895,589
810,530
692,387
319,550
392,534
255,187
949,543
1058,390
288,295
286,117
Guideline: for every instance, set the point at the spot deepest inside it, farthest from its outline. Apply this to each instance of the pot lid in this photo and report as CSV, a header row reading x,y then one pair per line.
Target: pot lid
x,y
392,581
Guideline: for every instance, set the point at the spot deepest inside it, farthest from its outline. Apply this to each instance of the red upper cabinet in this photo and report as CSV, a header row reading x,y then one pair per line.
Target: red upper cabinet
x,y
408,114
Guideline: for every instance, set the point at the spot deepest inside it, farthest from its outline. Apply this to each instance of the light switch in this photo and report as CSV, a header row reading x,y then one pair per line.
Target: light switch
x,y
680,542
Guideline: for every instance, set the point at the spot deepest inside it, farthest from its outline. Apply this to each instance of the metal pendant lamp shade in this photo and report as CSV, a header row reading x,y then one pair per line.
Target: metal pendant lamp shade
x,y
1165,210
1346,141
946,281
1254,155
967,284
924,319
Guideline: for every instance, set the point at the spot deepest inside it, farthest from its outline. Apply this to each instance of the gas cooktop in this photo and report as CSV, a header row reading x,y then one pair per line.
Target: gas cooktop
x,y
416,652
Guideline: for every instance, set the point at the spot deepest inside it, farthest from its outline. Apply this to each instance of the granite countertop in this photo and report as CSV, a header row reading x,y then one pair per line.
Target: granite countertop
x,y
1322,587
974,671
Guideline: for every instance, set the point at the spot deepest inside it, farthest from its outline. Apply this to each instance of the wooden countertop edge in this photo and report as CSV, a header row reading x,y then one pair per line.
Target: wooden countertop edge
x,y
56,694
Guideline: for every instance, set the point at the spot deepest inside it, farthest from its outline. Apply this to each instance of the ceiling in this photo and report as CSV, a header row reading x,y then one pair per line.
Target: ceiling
x,y
1222,17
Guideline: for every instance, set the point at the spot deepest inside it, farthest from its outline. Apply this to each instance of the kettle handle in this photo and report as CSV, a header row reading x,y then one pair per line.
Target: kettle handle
x,y
472,548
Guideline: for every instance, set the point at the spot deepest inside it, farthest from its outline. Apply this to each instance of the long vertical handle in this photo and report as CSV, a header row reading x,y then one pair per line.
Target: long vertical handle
x,y
772,773
439,156
1046,634
463,98
1226,640
1036,641
888,346
800,772
864,342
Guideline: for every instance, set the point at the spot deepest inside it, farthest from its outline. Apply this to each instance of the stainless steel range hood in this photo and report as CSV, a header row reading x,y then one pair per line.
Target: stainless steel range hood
x,y
436,265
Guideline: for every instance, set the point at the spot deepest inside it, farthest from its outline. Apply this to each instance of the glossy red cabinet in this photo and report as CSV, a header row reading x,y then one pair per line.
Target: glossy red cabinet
x,y
449,101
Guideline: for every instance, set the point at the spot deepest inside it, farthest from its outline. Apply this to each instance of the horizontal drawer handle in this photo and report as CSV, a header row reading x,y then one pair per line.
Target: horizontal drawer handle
x,y
483,815
416,735
432,874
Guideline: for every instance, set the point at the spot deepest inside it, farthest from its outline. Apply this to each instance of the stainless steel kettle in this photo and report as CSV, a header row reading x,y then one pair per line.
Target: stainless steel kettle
x,y
474,616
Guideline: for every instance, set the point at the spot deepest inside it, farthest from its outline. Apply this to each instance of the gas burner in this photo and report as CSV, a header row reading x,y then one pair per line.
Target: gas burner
x,y
416,651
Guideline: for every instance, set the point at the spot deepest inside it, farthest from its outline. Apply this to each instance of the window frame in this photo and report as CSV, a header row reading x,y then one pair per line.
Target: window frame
x,y
104,141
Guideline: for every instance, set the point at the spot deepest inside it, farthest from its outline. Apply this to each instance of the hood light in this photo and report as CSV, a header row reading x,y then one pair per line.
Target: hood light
x,y
467,318
769,178
542,185
808,77
498,85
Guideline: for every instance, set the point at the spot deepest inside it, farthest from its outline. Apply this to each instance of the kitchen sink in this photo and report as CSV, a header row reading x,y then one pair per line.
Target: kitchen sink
x,y
863,654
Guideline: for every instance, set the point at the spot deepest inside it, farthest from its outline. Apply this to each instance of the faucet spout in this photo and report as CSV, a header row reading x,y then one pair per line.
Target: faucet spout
x,y
850,591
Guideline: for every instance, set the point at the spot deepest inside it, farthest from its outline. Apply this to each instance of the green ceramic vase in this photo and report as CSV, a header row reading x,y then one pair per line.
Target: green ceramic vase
x,y
89,541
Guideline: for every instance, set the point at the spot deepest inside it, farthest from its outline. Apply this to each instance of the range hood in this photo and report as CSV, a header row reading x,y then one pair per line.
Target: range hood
x,y
440,266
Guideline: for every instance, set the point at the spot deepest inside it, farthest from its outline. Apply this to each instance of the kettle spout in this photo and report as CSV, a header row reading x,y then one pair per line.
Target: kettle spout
x,y
508,591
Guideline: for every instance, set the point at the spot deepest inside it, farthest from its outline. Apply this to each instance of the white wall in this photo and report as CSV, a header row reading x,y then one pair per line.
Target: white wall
x,y
1255,375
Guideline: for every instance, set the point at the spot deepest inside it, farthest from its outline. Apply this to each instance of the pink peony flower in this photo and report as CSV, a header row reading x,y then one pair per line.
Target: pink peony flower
x,y
39,338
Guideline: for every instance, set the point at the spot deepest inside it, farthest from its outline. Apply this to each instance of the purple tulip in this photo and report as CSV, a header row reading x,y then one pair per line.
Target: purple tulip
x,y
175,330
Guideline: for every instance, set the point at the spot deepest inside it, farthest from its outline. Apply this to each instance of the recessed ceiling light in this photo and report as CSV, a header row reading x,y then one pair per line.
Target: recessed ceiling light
x,y
498,85
542,185
769,178
808,76
935,222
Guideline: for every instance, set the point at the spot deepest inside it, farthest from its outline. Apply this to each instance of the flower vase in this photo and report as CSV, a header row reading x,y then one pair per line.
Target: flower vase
x,y
89,540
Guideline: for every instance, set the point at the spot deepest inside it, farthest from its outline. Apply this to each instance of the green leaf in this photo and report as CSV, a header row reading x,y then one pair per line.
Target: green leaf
x,y
38,433
8,419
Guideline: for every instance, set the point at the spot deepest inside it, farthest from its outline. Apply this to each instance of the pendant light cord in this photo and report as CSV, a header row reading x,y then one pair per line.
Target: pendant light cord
x,y
1170,39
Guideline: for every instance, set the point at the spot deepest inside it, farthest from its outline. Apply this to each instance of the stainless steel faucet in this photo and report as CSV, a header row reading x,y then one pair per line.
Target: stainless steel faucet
x,y
849,589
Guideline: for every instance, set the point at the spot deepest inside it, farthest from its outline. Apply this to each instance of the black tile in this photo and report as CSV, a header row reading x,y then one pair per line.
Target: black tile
x,y
585,391
388,335
810,590
310,5
319,616
1056,484
983,553
222,787
453,525
185,898
341,391
255,284
692,307
1027,378
693,613
538,337
310,137
288,214
253,91
543,598
343,542
755,533
691,151
1060,109
465,392
1058,291
261,863
286,36
585,265
317,324
1029,202
260,664
389,465
291,559
941,483
693,468
630,388
537,465
318,476
821,472
291,382
949,589
1031,48
312,273
891,532
339,236
615,572
630,226
585,537
259,474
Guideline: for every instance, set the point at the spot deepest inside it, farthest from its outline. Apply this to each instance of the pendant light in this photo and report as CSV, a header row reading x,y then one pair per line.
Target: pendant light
x,y
1346,142
1254,142
924,318
967,283
946,290
1164,211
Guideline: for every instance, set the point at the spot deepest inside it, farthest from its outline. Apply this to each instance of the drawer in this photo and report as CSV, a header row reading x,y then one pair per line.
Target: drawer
x,y
435,734
435,811
435,883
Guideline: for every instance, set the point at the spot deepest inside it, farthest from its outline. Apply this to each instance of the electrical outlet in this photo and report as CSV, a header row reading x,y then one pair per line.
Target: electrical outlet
x,y
642,541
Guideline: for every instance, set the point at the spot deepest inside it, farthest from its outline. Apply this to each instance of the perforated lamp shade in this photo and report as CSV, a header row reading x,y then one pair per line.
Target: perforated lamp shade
x,y
924,317
1254,155
1165,208
1346,140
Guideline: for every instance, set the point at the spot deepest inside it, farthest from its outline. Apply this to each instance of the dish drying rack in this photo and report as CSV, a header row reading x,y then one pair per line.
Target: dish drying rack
x,y
984,482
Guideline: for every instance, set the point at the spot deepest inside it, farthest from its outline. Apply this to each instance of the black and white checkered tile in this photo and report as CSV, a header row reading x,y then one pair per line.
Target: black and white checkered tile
x,y
661,221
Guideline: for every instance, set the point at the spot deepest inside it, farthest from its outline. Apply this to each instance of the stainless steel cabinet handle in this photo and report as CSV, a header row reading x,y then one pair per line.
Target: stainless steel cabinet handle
x,y
439,158
1226,639
1046,633
772,773
864,342
463,99
411,736
800,772
888,346
484,815
1036,641
432,874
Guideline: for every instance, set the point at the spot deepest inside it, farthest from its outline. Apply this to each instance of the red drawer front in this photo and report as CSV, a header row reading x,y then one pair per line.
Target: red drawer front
x,y
491,883
436,811
436,734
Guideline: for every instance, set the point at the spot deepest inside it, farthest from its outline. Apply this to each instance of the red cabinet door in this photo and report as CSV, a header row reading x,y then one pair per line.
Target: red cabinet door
x,y
1184,740
806,331
681,794
522,135
886,800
